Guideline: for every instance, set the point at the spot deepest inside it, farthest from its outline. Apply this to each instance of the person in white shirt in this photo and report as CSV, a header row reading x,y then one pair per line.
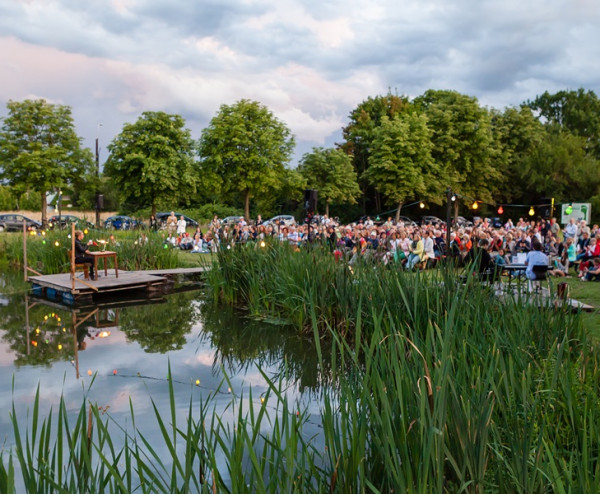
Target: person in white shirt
x,y
428,245
535,258
181,224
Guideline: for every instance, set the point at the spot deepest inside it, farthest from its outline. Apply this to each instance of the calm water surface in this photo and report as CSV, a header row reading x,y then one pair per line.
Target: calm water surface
x,y
120,350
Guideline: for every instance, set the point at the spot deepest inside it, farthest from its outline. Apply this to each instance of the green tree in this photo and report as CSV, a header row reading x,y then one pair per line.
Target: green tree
x,y
248,148
284,199
560,167
463,144
401,162
39,148
330,171
152,161
517,133
360,132
576,111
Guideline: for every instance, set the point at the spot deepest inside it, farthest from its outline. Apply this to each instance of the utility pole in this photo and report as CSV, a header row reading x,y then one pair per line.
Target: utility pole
x,y
449,196
97,177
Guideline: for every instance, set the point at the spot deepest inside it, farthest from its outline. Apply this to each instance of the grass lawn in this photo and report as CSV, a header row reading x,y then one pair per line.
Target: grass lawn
x,y
588,293
188,260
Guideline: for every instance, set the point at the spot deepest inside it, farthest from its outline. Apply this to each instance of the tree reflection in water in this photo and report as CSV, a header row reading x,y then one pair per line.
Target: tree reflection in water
x,y
241,342
40,332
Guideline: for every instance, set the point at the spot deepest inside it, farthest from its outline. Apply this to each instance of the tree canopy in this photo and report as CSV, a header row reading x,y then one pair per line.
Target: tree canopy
x,y
575,111
360,132
401,163
39,148
152,161
247,147
330,171
463,144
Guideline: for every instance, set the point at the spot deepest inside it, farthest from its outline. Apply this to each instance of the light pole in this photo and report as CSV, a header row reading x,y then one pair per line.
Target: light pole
x,y
97,176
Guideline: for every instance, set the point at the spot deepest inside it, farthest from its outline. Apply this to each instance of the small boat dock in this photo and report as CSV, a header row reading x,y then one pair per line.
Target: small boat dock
x,y
61,287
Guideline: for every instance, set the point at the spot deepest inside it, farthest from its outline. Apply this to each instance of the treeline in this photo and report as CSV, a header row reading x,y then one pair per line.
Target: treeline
x,y
395,150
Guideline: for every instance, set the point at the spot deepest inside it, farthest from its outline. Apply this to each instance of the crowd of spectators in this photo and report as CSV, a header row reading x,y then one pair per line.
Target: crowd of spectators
x,y
418,246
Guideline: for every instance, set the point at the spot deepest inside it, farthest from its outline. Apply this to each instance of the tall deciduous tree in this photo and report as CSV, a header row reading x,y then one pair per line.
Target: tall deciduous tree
x,y
360,132
517,134
575,111
152,161
248,147
39,148
401,163
463,144
330,171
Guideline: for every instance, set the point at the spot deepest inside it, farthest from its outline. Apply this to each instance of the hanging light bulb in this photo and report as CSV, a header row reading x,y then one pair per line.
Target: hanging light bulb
x,y
475,205
500,210
531,211
453,198
569,209
422,205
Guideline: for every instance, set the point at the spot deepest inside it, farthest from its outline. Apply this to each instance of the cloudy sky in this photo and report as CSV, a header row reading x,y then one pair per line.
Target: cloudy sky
x,y
311,62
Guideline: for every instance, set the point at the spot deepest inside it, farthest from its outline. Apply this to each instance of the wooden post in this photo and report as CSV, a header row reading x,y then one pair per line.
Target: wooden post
x,y
27,321
75,342
72,260
25,249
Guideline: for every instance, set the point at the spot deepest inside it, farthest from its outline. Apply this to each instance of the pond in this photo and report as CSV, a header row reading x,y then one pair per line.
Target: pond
x,y
120,350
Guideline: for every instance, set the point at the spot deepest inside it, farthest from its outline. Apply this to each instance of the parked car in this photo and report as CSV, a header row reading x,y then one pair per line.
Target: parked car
x,y
161,218
231,220
66,219
464,222
281,219
495,222
432,220
120,222
407,221
14,222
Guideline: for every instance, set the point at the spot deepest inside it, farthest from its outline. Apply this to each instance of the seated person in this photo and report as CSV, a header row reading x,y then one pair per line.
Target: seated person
x,y
535,258
82,254
186,242
593,271
482,261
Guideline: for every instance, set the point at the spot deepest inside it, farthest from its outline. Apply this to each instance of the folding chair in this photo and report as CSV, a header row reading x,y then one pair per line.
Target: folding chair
x,y
541,274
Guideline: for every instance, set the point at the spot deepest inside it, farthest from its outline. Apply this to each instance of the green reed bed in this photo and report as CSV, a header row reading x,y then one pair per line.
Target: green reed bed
x,y
435,386
48,253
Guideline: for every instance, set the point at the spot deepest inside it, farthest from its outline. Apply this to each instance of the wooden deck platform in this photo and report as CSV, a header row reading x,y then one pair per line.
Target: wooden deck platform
x,y
60,286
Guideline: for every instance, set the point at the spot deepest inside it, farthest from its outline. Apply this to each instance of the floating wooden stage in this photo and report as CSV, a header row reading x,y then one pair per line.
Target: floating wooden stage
x,y
60,286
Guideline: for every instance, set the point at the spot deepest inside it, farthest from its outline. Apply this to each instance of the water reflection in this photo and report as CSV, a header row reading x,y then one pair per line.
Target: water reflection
x,y
39,332
240,342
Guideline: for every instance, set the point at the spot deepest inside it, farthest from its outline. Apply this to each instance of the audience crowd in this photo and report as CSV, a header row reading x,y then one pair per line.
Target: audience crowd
x,y
576,246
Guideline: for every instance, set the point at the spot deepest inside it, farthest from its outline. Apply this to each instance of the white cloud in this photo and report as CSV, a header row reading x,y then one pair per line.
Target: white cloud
x,y
310,62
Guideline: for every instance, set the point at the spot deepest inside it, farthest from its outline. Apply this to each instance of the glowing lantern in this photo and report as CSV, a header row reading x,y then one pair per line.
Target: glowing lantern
x,y
531,211
500,210
422,205
569,209
60,346
57,243
475,205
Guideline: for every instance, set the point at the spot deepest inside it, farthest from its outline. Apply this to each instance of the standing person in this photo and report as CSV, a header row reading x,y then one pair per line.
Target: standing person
x,y
570,230
153,223
181,224
171,223
82,254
